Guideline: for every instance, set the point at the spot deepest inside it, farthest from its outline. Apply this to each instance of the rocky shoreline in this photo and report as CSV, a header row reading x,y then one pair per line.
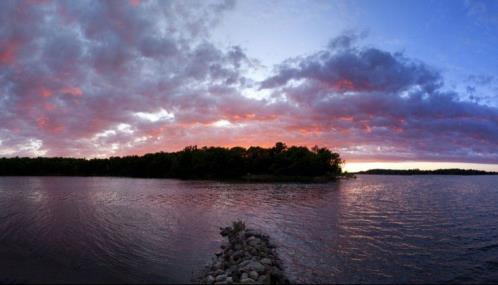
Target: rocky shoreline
x,y
249,257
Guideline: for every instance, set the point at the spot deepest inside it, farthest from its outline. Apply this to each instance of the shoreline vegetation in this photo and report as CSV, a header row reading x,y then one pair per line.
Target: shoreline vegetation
x,y
450,171
279,163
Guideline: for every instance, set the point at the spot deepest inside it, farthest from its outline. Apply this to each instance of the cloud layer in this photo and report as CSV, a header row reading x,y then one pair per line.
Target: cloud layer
x,y
113,78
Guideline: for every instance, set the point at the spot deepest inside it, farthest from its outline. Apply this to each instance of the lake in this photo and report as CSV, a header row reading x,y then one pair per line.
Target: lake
x,y
386,229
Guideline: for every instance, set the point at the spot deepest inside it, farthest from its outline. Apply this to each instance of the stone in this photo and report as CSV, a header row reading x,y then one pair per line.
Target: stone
x,y
256,266
254,242
266,261
218,272
246,257
221,277
244,263
238,254
253,275
210,279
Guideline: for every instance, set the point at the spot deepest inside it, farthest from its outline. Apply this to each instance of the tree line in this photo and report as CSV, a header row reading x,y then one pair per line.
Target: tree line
x,y
190,163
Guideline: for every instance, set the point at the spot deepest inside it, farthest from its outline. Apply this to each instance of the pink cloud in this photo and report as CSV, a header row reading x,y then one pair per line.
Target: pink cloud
x,y
8,52
46,93
135,2
73,91
49,124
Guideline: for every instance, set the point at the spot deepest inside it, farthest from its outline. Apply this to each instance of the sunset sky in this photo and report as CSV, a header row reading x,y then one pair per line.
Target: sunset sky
x,y
393,84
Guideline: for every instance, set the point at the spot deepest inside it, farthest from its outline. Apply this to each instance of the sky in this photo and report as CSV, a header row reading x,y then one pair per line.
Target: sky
x,y
398,84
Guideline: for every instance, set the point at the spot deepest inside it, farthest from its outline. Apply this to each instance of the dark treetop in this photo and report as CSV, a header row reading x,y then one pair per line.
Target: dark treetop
x,y
191,163
453,171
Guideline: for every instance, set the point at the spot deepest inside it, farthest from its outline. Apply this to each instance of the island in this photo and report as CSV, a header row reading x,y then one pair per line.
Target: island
x,y
254,164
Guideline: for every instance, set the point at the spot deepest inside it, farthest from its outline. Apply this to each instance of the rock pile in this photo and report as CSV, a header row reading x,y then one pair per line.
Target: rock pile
x,y
249,257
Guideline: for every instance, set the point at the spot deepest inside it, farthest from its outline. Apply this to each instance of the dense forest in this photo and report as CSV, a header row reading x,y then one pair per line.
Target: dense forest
x,y
451,171
189,163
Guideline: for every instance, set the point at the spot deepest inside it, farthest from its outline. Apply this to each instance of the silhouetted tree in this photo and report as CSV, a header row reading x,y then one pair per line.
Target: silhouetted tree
x,y
189,163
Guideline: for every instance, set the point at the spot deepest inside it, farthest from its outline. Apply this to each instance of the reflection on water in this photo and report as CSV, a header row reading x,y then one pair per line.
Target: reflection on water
x,y
372,229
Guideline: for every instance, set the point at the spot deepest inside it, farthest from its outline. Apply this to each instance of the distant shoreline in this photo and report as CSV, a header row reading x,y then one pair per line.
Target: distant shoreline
x,y
451,171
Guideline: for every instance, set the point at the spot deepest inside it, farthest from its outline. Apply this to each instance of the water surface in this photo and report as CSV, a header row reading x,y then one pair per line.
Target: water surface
x,y
386,229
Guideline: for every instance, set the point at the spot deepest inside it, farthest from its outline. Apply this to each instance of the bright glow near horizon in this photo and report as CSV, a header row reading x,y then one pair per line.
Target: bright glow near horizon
x,y
422,165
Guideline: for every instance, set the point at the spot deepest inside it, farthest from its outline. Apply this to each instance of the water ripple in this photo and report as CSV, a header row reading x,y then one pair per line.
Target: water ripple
x,y
375,229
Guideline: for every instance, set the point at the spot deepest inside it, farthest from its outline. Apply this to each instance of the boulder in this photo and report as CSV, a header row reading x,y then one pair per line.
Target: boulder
x,y
255,265
253,275
210,279
254,242
218,272
266,261
248,257
262,279
221,277
244,263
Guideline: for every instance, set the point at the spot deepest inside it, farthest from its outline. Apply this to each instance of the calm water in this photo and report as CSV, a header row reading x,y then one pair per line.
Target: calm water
x,y
372,229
